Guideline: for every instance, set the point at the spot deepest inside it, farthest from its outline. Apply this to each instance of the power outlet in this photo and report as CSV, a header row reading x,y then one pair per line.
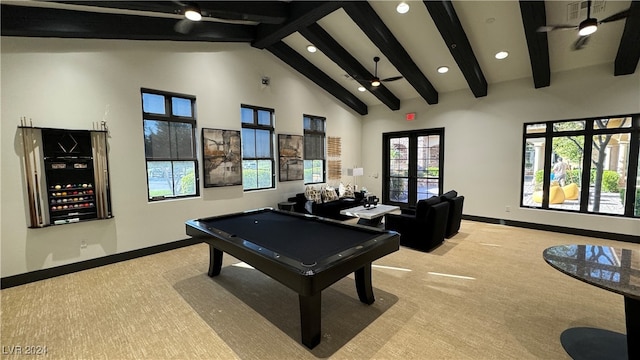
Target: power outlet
x,y
507,208
83,244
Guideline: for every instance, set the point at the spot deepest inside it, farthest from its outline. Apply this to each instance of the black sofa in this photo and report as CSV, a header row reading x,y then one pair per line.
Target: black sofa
x,y
455,212
330,209
423,229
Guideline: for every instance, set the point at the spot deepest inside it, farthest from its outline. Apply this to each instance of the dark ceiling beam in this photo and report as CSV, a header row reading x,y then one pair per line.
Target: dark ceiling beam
x,y
339,55
370,23
268,12
32,21
302,14
534,16
629,50
447,22
303,66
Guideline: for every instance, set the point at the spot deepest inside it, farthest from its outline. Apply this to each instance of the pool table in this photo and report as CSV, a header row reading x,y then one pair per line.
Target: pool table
x,y
303,252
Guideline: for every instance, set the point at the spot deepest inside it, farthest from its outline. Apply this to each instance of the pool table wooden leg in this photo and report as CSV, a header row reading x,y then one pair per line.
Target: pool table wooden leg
x,y
215,261
363,284
310,319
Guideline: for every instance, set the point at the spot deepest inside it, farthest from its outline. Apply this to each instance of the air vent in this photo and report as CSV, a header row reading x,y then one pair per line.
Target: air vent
x,y
578,10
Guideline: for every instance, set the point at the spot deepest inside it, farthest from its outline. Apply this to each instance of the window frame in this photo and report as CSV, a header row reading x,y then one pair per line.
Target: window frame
x,y
322,134
256,126
170,118
588,132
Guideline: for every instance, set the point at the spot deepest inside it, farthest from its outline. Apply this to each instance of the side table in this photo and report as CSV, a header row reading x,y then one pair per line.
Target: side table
x,y
286,205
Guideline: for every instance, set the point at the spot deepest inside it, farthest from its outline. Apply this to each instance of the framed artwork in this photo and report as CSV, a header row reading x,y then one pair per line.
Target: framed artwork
x,y
222,157
290,152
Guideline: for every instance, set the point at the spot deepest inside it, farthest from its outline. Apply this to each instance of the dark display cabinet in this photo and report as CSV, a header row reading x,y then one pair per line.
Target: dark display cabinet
x,y
70,190
74,190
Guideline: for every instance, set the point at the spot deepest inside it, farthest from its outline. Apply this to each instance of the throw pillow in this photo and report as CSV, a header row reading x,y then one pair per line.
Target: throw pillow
x,y
348,191
312,195
329,194
341,190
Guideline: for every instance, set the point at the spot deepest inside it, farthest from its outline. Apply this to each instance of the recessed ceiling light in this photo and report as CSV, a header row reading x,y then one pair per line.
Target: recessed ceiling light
x,y
311,48
501,55
443,69
362,89
193,13
402,8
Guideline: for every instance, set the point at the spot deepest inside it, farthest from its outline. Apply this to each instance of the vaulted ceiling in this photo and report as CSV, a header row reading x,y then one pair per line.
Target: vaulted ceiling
x,y
461,35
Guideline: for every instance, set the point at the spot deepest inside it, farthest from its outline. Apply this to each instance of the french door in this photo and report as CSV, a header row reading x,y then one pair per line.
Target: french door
x,y
413,166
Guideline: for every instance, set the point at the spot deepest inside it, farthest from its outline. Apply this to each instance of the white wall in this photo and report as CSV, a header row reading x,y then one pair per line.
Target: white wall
x,y
483,139
72,83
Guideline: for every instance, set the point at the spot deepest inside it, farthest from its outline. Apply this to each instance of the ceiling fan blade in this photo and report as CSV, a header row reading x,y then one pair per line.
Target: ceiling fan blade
x,y
548,28
580,43
394,78
183,26
615,17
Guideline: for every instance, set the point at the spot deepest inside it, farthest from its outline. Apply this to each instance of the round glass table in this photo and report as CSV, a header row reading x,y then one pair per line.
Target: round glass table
x,y
610,268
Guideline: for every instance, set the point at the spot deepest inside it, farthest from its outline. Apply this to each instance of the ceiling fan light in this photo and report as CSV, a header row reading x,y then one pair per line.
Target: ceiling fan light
x,y
375,82
588,27
443,69
402,8
193,13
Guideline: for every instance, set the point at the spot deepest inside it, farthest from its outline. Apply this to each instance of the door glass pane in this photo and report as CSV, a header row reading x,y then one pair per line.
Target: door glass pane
x,y
428,156
608,169
428,188
157,143
399,157
399,190
533,172
566,172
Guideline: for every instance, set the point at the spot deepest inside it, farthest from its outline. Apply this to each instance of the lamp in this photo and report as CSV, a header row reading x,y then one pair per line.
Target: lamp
x,y
355,172
192,12
588,27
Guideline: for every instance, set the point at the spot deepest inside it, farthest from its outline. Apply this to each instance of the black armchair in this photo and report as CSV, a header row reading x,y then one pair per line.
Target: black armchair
x,y
455,212
426,229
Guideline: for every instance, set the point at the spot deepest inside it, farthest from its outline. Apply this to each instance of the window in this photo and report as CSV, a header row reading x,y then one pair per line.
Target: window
x,y
169,144
414,162
583,165
314,157
257,147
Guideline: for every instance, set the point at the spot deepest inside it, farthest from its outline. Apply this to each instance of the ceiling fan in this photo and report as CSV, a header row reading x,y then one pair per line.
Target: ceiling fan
x,y
587,27
376,81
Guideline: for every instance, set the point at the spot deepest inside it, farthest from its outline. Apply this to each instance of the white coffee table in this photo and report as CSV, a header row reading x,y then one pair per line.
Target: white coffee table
x,y
371,216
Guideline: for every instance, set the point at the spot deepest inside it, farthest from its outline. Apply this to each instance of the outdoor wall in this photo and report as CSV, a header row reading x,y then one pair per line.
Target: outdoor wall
x,y
483,139
73,83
